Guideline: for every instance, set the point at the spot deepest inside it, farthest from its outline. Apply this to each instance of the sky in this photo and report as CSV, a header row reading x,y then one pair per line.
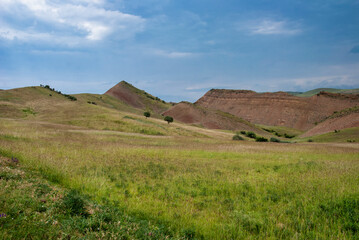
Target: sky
x,y
179,49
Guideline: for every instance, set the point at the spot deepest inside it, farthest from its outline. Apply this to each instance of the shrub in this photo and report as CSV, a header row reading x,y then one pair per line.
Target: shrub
x,y
278,134
237,137
243,132
251,134
261,139
147,114
168,119
288,136
272,139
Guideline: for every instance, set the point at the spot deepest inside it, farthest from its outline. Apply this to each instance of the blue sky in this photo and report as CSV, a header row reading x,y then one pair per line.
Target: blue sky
x,y
178,50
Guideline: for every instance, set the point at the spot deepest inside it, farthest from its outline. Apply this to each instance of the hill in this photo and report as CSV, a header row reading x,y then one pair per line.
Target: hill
x,y
318,90
137,98
214,119
277,109
94,112
347,118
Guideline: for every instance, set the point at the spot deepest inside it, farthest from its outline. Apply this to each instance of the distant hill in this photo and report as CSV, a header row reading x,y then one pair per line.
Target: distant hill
x,y
318,90
214,119
346,118
278,109
137,98
49,108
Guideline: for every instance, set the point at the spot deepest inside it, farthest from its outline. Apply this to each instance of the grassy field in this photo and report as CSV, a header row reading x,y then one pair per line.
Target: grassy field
x,y
104,171
208,187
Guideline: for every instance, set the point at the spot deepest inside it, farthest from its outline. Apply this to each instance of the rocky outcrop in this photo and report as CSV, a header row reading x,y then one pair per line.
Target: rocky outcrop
x,y
277,109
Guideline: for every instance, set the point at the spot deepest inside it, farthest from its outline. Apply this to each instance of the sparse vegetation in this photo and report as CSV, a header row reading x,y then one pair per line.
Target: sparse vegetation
x,y
261,139
237,137
272,139
72,98
288,135
29,111
251,135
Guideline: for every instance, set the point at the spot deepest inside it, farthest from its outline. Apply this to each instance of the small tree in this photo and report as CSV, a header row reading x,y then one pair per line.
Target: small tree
x,y
147,114
168,119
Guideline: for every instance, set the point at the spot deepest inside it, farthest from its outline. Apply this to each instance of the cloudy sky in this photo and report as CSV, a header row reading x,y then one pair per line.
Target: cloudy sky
x,y
178,50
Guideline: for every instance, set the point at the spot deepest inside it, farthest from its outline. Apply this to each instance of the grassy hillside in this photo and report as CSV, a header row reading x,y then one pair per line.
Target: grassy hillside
x,y
142,178
344,135
138,98
318,90
91,111
45,210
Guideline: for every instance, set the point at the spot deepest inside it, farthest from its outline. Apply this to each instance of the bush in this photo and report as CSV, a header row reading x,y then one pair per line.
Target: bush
x,y
147,114
243,132
272,139
237,137
288,136
168,119
251,134
261,139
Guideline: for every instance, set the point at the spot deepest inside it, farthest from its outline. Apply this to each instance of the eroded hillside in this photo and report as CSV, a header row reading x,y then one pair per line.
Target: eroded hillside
x,y
278,109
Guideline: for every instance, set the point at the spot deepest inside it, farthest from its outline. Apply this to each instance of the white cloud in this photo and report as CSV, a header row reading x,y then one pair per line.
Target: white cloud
x,y
271,27
169,54
71,20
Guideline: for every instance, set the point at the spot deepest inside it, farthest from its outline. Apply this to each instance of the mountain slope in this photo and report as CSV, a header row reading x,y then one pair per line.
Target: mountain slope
x,y
347,118
214,119
137,98
277,109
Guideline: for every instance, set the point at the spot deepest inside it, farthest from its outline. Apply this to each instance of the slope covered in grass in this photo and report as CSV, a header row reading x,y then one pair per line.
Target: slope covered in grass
x,y
215,188
344,135
90,111
32,207
318,90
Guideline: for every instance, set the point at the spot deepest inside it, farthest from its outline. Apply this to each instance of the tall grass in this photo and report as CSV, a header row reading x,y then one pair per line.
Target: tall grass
x,y
212,188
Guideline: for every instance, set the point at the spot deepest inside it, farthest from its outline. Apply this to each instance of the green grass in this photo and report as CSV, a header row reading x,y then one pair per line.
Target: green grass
x,y
98,165
341,136
331,90
218,189
34,208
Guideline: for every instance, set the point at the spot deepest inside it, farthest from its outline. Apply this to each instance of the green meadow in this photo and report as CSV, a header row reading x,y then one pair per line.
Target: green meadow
x,y
100,173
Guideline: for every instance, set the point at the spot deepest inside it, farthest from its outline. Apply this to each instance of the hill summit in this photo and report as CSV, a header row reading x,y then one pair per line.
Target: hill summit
x,y
137,98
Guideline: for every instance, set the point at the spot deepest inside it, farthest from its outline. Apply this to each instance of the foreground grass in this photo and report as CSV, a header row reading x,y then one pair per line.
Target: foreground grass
x,y
205,187
33,208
